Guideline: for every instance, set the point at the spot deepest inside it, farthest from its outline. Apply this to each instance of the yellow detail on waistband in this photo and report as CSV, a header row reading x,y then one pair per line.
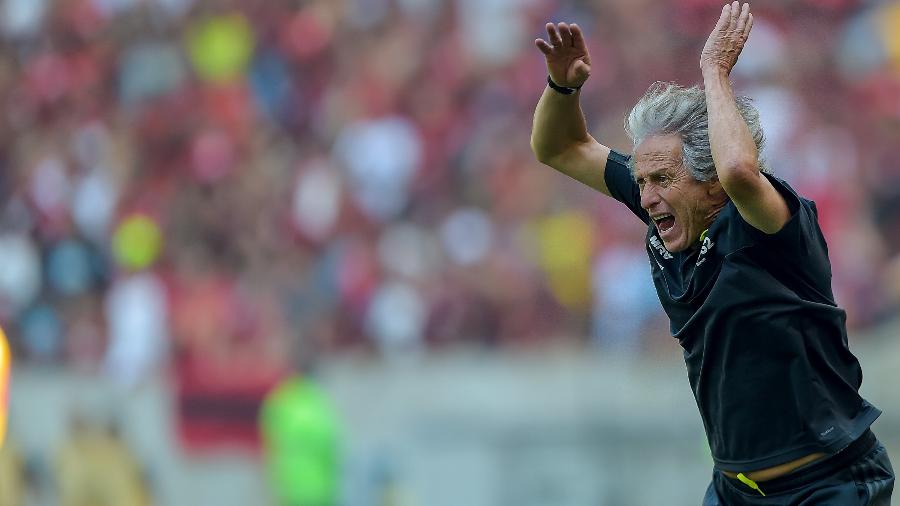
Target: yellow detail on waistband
x,y
750,483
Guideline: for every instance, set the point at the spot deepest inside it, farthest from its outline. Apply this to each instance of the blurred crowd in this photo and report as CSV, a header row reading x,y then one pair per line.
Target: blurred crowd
x,y
93,465
98,458
237,187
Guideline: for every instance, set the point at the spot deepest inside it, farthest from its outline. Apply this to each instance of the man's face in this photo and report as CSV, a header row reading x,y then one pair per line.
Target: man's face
x,y
680,206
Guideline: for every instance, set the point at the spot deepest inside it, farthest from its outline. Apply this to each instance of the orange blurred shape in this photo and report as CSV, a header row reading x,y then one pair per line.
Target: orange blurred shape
x,y
5,364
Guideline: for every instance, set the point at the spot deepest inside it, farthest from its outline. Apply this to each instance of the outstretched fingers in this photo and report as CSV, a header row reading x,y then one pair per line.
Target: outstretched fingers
x,y
553,34
743,20
561,35
724,18
735,12
565,34
578,37
543,46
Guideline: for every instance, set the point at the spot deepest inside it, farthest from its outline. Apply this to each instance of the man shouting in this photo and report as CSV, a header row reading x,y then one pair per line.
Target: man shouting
x,y
742,271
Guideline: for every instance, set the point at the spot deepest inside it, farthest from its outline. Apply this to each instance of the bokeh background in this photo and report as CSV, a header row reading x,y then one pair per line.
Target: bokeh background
x,y
200,200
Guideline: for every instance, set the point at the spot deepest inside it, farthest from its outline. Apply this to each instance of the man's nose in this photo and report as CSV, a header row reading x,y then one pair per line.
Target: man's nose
x,y
649,196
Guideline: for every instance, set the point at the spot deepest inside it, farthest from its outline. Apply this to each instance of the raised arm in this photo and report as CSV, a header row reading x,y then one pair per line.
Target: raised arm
x,y
559,137
733,149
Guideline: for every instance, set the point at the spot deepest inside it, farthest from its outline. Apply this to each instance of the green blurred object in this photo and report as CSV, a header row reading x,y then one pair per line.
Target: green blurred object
x,y
300,431
137,242
221,47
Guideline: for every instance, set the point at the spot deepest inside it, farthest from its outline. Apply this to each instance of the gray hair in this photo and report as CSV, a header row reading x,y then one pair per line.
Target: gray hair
x,y
668,108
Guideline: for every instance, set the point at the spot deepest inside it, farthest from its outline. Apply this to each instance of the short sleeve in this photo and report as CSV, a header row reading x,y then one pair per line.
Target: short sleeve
x,y
802,229
800,244
621,184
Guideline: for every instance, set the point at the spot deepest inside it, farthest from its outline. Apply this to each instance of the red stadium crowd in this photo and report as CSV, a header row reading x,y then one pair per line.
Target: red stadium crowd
x,y
233,186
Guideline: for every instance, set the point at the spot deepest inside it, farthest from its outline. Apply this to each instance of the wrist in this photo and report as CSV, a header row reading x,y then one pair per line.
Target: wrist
x,y
565,90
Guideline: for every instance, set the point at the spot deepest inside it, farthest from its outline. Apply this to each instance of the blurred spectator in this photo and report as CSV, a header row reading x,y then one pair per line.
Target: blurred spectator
x,y
622,308
12,477
301,436
96,468
20,273
137,315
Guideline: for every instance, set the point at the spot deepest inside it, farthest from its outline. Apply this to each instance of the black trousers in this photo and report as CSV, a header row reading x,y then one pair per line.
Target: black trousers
x,y
859,475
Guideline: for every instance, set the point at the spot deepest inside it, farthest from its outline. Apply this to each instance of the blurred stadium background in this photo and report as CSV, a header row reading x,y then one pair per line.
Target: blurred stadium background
x,y
201,198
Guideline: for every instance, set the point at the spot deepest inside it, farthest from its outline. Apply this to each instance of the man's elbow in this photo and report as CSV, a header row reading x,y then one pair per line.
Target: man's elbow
x,y
542,154
739,177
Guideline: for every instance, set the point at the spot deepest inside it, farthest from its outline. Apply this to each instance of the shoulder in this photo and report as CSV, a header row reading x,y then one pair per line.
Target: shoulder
x,y
803,223
799,244
801,209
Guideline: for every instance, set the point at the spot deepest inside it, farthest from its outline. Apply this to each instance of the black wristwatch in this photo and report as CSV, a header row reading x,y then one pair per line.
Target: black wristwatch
x,y
565,90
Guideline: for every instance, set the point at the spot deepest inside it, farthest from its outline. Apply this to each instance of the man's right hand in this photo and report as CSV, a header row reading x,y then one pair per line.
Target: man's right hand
x,y
568,61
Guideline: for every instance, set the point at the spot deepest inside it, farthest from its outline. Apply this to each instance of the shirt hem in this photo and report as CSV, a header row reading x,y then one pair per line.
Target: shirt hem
x,y
862,423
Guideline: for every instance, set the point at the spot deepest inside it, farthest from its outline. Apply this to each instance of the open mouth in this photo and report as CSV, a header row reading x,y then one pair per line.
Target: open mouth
x,y
664,222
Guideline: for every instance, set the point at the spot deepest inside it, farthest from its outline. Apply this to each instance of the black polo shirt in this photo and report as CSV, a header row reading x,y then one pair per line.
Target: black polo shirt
x,y
764,342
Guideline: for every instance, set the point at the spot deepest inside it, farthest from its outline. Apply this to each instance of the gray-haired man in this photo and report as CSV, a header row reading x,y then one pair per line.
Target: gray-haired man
x,y
741,269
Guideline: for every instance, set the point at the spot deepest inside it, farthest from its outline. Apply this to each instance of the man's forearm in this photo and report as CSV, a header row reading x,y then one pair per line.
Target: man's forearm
x,y
558,124
733,148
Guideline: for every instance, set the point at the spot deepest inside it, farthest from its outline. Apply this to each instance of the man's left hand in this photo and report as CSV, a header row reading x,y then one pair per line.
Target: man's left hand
x,y
727,39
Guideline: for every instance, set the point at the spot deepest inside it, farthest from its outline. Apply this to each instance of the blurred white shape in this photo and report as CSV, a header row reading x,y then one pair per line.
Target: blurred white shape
x,y
408,250
381,156
763,53
624,299
467,235
137,314
20,273
860,50
317,199
22,18
827,154
50,184
93,205
396,317
494,31
780,113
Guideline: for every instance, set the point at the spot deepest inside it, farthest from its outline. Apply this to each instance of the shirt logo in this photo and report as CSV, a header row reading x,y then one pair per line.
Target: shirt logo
x,y
663,252
704,249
